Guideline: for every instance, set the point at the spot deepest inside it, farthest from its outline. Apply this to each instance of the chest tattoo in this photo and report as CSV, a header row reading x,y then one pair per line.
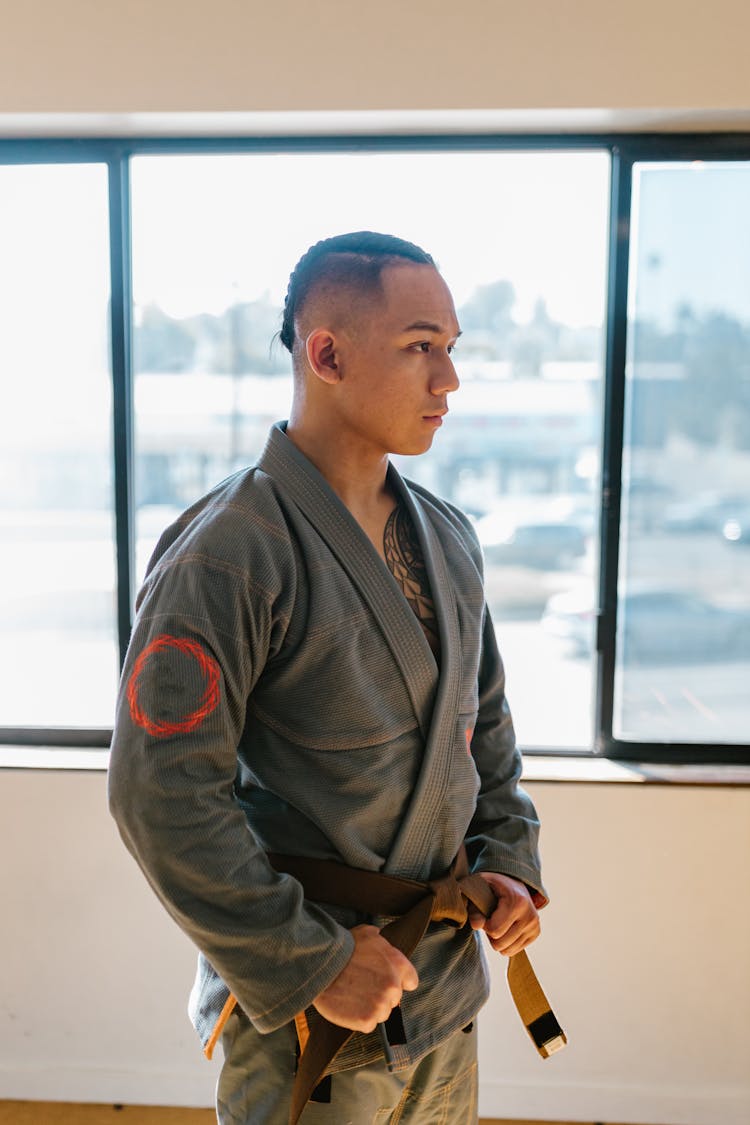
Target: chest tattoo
x,y
404,557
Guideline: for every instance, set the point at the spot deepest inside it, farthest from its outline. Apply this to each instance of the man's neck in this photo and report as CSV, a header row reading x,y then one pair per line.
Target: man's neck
x,y
356,475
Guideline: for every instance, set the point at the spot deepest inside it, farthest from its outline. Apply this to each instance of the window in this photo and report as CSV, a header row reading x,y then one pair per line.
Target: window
x,y
58,657
683,633
598,440
519,452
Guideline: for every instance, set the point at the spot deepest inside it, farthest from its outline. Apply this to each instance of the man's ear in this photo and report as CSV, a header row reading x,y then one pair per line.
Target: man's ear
x,y
320,348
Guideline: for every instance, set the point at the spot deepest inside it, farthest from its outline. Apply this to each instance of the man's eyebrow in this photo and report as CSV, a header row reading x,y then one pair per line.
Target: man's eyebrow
x,y
427,326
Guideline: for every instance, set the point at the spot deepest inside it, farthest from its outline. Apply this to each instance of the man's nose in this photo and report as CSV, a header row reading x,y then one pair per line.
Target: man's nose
x,y
445,379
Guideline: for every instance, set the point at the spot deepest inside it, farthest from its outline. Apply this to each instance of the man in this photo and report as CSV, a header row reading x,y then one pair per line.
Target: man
x,y
313,673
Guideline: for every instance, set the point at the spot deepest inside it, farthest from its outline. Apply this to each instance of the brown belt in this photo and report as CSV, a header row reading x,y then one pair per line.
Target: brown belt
x,y
412,905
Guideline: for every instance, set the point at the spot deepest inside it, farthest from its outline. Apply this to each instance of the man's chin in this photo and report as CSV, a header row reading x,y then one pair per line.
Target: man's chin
x,y
415,447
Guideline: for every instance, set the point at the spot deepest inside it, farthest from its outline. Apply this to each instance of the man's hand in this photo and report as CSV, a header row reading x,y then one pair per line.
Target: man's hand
x,y
370,986
514,923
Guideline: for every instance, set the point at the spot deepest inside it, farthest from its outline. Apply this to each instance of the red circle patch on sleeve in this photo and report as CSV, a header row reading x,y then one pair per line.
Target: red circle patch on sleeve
x,y
206,704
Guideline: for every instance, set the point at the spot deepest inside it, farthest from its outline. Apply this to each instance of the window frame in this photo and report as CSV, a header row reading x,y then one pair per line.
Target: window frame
x,y
624,151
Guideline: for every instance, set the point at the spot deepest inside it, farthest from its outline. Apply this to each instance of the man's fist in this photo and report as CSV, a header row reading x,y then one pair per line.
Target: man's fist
x,y
370,986
514,923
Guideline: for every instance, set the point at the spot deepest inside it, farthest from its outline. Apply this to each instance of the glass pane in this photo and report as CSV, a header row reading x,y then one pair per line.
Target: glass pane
x,y
520,238
58,660
683,641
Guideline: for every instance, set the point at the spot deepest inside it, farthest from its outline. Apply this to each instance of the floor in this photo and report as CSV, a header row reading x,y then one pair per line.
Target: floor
x,y
63,1113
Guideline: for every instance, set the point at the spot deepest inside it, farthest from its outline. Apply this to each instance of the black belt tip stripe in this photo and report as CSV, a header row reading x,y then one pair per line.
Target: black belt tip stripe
x,y
547,1034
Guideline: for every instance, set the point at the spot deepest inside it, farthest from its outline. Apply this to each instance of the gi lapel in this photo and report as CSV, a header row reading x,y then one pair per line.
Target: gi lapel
x,y
412,849
309,490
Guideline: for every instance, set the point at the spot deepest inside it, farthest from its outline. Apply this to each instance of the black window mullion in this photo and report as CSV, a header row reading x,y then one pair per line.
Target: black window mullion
x,y
613,427
122,380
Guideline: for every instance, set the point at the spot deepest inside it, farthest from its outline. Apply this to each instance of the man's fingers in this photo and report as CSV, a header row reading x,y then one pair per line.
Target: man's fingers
x,y
499,928
515,947
365,930
476,918
408,976
404,976
516,938
370,986
381,1010
510,913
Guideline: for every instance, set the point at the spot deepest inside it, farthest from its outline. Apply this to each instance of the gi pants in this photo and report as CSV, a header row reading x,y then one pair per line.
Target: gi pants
x,y
254,1086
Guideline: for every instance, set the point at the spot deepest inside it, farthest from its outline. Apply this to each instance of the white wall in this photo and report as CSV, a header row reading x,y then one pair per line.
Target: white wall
x,y
644,956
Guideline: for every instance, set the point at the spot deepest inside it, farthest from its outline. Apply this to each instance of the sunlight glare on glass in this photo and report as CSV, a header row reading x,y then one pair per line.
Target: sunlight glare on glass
x,y
262,212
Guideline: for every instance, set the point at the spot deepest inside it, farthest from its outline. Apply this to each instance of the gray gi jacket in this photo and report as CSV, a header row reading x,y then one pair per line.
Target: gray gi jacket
x,y
279,694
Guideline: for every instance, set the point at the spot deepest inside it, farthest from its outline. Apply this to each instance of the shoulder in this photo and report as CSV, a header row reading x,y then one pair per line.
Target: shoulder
x,y
238,528
230,507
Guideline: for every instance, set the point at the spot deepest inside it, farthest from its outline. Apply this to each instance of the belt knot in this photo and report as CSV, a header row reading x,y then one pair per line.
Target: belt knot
x,y
448,905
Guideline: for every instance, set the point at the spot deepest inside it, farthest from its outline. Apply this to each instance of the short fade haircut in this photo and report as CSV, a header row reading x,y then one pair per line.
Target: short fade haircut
x,y
354,260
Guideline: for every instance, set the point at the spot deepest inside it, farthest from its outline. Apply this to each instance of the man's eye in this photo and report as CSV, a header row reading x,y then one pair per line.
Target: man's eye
x,y
426,346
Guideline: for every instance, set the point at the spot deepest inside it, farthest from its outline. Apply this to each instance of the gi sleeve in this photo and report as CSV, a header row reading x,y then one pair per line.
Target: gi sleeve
x,y
504,831
203,634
